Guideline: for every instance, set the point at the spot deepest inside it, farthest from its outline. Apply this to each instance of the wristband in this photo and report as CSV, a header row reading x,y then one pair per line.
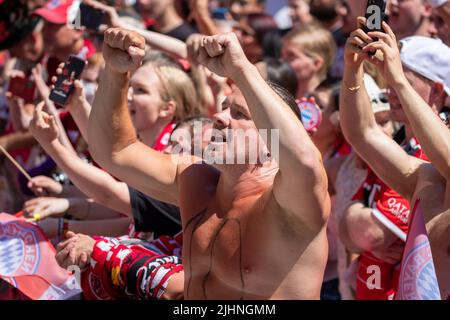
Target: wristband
x,y
437,3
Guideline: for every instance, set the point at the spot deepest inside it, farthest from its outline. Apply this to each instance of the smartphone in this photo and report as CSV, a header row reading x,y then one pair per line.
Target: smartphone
x,y
91,18
22,87
64,84
375,15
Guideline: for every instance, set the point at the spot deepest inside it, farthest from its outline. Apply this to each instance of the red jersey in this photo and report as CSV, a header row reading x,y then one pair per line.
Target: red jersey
x,y
393,211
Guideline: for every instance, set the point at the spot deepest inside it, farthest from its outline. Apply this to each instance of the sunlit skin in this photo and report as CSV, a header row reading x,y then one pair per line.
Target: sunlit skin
x,y
244,235
149,113
411,177
410,17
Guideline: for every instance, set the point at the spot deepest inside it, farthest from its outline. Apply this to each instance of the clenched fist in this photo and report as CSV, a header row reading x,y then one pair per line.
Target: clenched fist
x,y
222,54
123,50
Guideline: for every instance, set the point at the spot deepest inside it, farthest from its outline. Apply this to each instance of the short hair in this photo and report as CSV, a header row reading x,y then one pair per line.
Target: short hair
x,y
287,97
314,41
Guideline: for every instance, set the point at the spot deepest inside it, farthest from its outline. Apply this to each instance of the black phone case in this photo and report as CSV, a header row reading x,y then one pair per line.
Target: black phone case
x,y
382,5
72,71
91,18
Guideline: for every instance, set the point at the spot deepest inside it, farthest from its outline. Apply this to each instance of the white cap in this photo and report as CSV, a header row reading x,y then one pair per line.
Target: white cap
x,y
376,95
428,57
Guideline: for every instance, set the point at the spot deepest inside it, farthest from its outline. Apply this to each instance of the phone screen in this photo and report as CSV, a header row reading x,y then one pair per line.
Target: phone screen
x,y
64,84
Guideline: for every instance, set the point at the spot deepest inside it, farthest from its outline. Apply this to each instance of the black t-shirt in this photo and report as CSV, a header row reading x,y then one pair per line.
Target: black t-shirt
x,y
151,215
182,32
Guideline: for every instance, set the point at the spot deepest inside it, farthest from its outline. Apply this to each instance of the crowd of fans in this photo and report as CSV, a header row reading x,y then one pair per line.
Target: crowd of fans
x,y
143,221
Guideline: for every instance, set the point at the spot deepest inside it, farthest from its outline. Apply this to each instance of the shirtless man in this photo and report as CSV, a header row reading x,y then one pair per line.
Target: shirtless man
x,y
410,176
251,231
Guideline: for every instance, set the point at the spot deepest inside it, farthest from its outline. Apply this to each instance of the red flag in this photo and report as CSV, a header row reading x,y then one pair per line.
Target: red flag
x,y
27,261
418,279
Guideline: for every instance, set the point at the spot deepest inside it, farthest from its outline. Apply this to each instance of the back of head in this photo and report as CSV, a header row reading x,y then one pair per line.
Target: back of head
x,y
16,21
314,41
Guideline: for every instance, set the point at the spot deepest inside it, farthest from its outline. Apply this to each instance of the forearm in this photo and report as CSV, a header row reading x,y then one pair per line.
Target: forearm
x,y
17,140
80,114
111,227
110,128
94,182
432,133
19,118
86,209
270,112
170,45
355,113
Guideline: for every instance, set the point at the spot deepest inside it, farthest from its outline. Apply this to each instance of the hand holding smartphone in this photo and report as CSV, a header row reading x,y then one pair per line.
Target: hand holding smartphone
x,y
375,15
64,85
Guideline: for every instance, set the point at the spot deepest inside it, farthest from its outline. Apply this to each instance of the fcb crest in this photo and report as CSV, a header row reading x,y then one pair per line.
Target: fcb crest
x,y
419,275
20,250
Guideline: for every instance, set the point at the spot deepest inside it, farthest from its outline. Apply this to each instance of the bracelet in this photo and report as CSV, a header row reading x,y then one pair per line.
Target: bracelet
x,y
437,3
352,88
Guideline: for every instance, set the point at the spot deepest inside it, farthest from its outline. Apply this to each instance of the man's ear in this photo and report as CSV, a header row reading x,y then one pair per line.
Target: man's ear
x,y
318,63
167,110
427,11
437,94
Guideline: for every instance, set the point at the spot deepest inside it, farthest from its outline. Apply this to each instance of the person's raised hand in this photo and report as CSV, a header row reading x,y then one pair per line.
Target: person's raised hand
x,y
45,207
76,250
123,50
112,18
43,126
222,54
391,65
45,186
354,54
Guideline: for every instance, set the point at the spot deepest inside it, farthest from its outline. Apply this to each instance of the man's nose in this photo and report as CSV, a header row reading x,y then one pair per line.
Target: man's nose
x,y
221,119
130,94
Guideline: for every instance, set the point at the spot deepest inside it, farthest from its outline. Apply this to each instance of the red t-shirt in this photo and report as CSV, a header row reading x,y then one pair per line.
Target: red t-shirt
x,y
388,206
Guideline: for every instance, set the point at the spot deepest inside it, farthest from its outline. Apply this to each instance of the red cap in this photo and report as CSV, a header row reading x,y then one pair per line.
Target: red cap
x,y
55,11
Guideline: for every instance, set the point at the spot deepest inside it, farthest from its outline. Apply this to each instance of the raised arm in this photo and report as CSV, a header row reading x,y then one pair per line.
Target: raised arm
x,y
389,161
159,41
432,133
298,157
94,182
112,137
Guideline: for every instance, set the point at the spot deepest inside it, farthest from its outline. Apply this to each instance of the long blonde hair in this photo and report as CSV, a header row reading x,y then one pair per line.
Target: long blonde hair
x,y
314,41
